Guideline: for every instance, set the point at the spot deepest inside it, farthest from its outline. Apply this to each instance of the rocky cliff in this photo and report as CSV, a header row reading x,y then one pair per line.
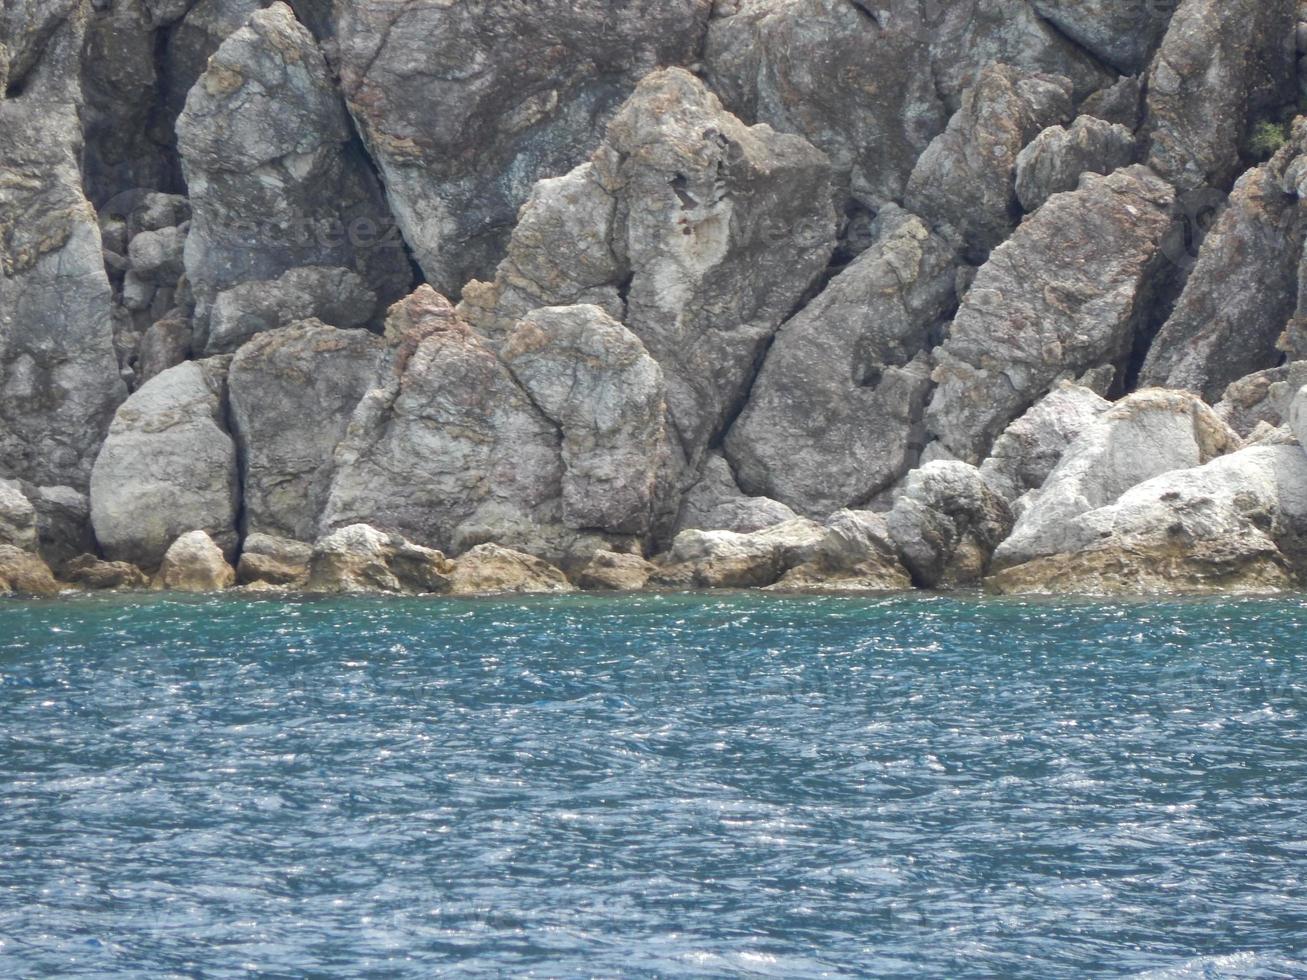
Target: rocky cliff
x,y
663,293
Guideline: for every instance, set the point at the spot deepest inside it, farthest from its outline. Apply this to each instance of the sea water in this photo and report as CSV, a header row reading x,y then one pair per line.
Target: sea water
x,y
711,785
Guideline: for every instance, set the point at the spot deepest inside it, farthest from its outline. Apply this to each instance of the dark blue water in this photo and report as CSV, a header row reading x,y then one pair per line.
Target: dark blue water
x,y
716,786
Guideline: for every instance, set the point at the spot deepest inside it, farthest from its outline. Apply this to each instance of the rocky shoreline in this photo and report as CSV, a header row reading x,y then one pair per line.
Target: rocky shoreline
x,y
784,294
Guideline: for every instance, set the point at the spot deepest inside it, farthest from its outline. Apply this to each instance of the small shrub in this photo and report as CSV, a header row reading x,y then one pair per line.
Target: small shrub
x,y
1266,138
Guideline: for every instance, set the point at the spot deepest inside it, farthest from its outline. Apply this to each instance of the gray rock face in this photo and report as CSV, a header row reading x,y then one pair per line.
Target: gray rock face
x,y
464,107
1262,398
1243,289
292,394
168,467
716,503
335,296
716,229
63,523
859,89
1209,83
834,416
59,382
17,517
1025,455
194,563
275,183
964,180
593,379
1234,525
947,523
1063,294
1144,435
1122,33
1055,159
450,440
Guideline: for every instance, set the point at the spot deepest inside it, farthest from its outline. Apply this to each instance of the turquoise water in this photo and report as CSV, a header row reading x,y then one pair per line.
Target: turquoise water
x,y
706,785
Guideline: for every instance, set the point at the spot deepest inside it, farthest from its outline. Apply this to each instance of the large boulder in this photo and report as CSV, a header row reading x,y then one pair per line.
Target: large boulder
x,y
715,502
947,521
594,380
1054,161
274,177
613,571
1222,65
1064,294
963,182
489,569
167,467
88,572
1234,525
293,392
194,563
59,381
360,558
856,553
273,560
1025,454
465,106
17,517
835,414
1142,436
1244,287
24,573
715,231
729,560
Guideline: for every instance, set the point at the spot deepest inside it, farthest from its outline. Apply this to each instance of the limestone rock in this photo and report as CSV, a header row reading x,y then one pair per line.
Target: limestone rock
x,y
193,563
1264,398
1242,290
1055,159
1027,452
612,571
17,517
1142,436
24,573
333,295
489,569
947,523
88,572
274,560
1221,64
293,392
1234,525
835,414
274,179
964,180
360,558
856,553
168,466
860,90
716,503
727,560
465,107
594,380
1065,293
59,382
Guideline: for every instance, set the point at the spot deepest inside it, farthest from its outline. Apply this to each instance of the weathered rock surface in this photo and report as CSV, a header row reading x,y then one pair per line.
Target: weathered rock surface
x,y
1144,435
1209,83
194,563
167,467
947,522
1234,525
594,380
1264,398
716,503
728,560
1243,289
59,382
88,572
292,394
1121,33
715,231
63,523
855,553
275,560
1065,293
464,108
335,296
1055,159
24,573
612,571
489,569
274,179
360,558
1025,454
963,182
17,517
835,414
